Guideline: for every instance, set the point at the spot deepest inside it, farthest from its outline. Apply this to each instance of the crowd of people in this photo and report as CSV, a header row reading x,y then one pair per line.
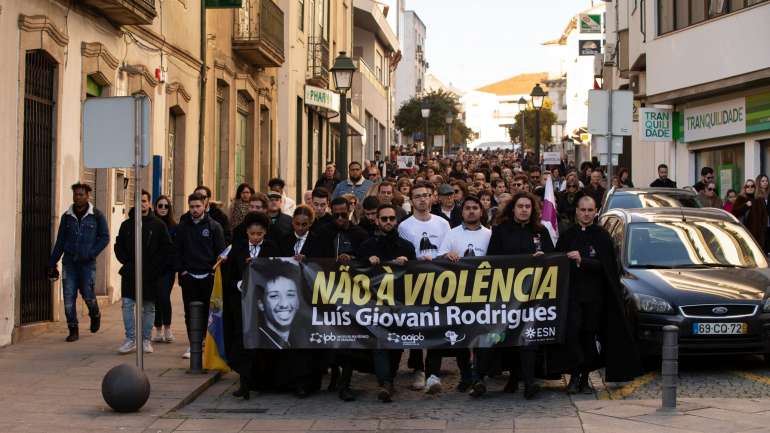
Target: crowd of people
x,y
474,204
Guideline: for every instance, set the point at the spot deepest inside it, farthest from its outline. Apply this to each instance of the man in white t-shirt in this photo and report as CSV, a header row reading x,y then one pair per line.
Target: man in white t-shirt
x,y
469,239
425,232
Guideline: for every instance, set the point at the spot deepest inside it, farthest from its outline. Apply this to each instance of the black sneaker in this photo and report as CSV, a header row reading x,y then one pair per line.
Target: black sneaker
x,y
478,389
584,386
530,391
346,394
73,335
384,394
96,323
463,386
572,387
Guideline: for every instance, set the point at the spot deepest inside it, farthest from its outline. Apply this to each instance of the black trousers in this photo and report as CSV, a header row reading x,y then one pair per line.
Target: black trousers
x,y
194,289
463,357
588,316
416,361
520,361
386,364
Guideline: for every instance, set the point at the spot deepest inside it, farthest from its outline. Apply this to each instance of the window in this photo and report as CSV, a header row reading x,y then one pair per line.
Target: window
x,y
678,14
301,15
681,14
378,66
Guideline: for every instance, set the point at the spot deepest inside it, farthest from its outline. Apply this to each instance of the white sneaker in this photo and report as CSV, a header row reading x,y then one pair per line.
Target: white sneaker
x,y
433,385
168,336
147,347
159,337
186,355
127,347
419,381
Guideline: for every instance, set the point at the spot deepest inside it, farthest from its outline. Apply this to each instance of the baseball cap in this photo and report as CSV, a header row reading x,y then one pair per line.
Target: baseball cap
x,y
445,189
273,194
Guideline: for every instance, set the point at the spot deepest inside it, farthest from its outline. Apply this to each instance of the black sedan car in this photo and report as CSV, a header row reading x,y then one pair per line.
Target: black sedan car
x,y
633,198
699,269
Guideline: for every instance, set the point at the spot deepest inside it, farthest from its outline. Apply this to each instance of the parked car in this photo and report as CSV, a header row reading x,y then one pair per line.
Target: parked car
x,y
638,198
698,269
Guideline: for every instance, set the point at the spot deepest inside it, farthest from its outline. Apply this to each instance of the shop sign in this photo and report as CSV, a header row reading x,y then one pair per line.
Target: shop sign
x,y
323,98
656,124
590,47
715,120
758,113
590,23
551,158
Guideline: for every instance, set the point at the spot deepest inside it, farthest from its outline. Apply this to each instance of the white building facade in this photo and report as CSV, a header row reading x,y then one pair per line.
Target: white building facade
x,y
708,62
410,75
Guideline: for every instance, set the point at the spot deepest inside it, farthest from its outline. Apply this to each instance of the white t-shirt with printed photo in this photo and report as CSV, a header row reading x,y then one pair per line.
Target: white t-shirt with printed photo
x,y
465,243
425,236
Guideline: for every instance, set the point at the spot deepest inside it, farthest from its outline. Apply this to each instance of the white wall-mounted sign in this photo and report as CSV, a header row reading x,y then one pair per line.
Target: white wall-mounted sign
x,y
323,98
656,124
715,120
109,130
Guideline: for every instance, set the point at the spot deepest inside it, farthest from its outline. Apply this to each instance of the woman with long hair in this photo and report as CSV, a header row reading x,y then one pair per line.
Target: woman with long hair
x,y
240,205
730,197
518,231
458,171
763,187
165,212
750,209
625,178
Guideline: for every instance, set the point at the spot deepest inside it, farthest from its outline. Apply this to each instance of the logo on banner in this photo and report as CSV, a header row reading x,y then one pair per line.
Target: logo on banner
x,y
406,339
453,338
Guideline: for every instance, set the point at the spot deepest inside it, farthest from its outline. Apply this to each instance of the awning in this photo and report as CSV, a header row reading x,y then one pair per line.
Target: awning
x,y
355,129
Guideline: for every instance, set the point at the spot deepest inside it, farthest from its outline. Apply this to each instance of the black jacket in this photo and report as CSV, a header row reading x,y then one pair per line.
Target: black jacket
x,y
368,227
328,184
455,218
597,193
512,238
157,252
280,226
663,183
220,217
327,241
566,203
198,245
286,245
619,356
387,247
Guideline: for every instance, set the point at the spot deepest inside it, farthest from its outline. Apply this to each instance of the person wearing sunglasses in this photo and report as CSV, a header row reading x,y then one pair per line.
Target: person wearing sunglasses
x,y
751,212
386,246
165,212
708,197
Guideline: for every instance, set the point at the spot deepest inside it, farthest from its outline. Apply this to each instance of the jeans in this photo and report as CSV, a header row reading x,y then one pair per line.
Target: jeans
x,y
163,300
148,315
78,276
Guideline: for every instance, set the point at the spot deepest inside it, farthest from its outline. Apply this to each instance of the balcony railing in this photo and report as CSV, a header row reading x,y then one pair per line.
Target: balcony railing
x,y
125,12
318,62
258,33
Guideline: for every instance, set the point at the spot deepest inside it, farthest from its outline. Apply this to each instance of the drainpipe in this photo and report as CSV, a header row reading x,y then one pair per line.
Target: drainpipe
x,y
202,107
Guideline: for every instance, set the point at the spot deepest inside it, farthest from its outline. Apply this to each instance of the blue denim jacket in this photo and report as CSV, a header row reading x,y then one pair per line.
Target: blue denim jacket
x,y
359,189
80,241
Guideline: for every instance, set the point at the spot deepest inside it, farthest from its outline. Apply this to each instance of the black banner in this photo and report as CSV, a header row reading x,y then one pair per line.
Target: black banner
x,y
477,302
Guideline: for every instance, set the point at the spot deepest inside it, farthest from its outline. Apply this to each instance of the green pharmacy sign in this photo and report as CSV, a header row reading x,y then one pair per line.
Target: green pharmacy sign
x,y
590,23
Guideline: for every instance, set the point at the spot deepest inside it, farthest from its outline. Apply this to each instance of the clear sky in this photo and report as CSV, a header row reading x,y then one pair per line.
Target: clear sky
x,y
471,43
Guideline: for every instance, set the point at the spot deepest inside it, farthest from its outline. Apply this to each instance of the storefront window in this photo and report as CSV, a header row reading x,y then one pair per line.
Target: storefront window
x,y
728,165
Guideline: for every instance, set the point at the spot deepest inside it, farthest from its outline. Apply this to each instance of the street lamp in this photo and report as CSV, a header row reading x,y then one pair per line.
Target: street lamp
x,y
342,71
522,108
449,119
425,111
538,97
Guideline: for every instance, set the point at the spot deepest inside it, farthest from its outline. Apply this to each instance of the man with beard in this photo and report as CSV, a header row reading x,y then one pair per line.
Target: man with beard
x,y
320,204
385,191
595,188
596,306
469,239
567,200
518,231
369,221
341,240
355,184
329,179
386,246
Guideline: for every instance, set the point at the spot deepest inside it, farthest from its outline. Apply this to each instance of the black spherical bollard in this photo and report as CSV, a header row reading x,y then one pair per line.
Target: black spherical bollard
x,y
125,388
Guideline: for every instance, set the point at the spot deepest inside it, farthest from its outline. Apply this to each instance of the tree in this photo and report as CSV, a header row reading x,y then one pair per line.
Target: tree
x,y
547,118
409,118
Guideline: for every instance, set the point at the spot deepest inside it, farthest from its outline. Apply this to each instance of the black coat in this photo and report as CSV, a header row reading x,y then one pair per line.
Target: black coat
x,y
326,245
663,183
597,193
566,203
286,245
232,272
620,355
157,252
217,215
279,227
387,247
512,238
455,217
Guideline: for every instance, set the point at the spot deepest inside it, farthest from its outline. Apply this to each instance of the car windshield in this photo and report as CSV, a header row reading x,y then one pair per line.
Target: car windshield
x,y
642,200
682,244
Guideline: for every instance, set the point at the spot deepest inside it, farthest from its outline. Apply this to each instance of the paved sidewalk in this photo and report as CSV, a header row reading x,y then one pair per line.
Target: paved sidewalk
x,y
49,385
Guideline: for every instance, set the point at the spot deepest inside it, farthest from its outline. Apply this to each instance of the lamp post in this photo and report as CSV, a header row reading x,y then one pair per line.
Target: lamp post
x,y
342,71
448,119
425,111
538,97
522,109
